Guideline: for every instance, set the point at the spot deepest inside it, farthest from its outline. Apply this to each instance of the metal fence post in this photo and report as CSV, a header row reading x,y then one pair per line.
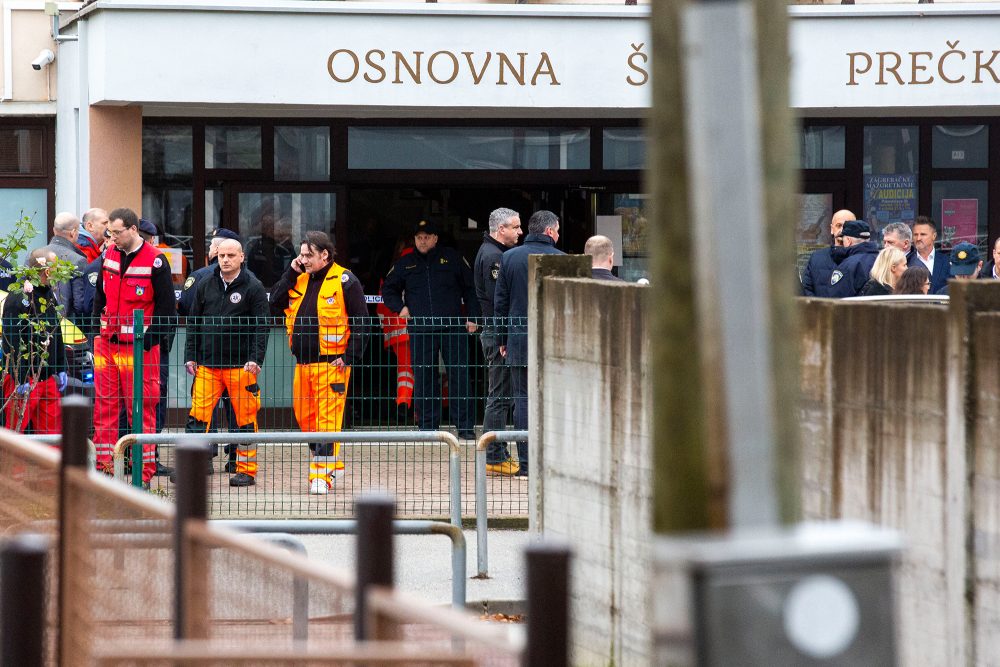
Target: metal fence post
x,y
548,605
22,601
138,334
190,571
374,555
73,509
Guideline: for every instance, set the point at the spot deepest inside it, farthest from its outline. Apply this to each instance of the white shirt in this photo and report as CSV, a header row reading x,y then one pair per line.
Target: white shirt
x,y
929,262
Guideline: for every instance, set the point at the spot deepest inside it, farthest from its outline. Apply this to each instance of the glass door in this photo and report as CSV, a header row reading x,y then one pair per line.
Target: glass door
x,y
273,223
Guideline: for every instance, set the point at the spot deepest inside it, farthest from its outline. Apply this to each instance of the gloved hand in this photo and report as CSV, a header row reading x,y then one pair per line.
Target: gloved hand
x,y
61,381
23,390
149,341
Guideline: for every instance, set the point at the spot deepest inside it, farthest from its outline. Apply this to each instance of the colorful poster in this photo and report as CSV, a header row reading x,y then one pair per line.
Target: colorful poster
x,y
959,220
890,198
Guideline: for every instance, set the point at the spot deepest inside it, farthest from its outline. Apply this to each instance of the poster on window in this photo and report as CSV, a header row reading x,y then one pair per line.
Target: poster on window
x,y
959,220
890,198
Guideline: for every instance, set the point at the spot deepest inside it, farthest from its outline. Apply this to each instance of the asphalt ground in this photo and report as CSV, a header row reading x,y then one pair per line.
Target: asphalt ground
x,y
423,564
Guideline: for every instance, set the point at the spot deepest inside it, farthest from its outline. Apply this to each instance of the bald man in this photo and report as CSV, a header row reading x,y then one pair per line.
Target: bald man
x,y
823,262
602,258
228,326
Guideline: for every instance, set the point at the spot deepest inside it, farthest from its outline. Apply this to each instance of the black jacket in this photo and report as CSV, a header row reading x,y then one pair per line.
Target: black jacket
x,y
305,332
874,288
511,298
186,299
487,270
227,327
852,274
604,274
20,361
822,263
431,285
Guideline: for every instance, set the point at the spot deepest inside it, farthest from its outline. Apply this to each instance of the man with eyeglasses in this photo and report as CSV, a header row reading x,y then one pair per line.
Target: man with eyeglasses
x,y
505,230
134,276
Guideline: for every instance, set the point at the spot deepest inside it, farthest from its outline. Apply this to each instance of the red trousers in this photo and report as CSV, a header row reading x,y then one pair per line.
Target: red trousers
x,y
112,386
404,372
41,408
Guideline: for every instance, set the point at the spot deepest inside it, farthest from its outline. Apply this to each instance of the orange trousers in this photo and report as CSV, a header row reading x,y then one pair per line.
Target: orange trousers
x,y
244,395
319,394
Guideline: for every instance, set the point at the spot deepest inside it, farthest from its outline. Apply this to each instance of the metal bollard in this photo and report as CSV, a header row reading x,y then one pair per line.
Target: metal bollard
x,y
76,421
548,605
22,601
192,504
374,554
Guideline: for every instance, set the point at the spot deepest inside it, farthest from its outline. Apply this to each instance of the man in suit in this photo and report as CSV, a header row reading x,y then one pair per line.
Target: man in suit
x,y
925,233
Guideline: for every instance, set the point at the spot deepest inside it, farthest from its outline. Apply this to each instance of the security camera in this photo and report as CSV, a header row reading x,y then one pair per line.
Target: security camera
x,y
43,60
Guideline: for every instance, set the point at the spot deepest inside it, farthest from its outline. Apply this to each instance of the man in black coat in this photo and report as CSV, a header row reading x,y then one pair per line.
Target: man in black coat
x,y
511,304
852,274
224,350
823,262
602,258
431,285
34,356
505,230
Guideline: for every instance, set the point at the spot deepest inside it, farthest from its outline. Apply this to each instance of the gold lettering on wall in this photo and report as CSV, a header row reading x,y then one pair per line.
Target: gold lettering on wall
x,y
443,67
916,68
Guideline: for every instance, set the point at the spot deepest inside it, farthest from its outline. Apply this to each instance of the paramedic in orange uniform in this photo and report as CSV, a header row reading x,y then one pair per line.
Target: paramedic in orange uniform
x,y
324,307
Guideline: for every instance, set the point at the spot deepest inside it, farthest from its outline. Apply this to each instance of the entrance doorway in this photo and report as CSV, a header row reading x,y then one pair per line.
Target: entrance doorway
x,y
379,218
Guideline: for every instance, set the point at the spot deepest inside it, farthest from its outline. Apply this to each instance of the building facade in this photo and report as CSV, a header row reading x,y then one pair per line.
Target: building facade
x,y
273,118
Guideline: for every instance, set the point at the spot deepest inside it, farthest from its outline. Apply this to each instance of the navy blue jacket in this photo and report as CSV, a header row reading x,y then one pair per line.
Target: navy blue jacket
x,y
432,285
511,298
852,274
942,270
816,276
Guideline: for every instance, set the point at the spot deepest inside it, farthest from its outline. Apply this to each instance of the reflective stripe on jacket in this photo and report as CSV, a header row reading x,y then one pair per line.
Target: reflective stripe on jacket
x,y
128,292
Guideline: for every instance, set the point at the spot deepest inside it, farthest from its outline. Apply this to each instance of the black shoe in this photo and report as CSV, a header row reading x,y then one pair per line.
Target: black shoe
x,y
162,470
466,435
521,472
242,479
231,467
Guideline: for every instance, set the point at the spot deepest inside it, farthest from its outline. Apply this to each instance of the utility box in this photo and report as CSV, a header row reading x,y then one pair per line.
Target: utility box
x,y
813,594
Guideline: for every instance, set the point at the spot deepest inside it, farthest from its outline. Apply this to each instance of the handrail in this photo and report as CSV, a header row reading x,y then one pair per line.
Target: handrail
x,y
406,608
291,562
482,552
278,437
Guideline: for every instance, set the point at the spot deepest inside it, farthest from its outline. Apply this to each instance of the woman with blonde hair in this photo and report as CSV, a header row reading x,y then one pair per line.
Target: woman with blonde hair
x,y
889,266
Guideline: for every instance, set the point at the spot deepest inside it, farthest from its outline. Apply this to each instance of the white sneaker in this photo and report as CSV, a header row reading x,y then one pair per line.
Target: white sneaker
x,y
318,487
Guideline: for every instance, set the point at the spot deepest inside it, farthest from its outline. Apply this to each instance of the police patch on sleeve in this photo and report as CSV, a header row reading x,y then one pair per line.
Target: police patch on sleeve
x,y
189,282
157,263
235,297
495,271
835,277
93,278
344,277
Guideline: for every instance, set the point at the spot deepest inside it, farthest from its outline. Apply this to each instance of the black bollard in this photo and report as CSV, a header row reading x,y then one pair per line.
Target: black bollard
x,y
22,601
548,605
192,504
76,422
374,513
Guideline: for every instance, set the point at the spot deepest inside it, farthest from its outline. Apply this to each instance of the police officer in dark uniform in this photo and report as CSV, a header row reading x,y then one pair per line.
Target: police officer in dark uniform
x,y
224,410
430,286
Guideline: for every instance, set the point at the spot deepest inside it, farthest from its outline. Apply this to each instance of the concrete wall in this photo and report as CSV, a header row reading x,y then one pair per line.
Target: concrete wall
x,y
900,413
874,380
593,386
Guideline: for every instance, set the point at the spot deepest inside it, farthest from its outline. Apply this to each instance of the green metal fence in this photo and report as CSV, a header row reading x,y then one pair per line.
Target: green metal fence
x,y
381,394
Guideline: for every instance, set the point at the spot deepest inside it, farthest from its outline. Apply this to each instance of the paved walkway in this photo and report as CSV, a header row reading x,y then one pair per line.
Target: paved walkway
x,y
423,563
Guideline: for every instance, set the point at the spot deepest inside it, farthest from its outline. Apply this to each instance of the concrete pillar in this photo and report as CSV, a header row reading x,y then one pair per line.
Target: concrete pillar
x,y
539,268
116,157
